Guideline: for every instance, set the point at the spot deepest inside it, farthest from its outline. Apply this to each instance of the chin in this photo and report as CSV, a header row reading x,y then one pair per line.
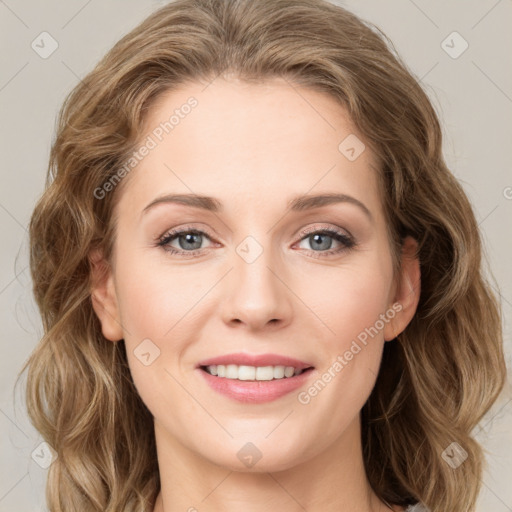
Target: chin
x,y
255,458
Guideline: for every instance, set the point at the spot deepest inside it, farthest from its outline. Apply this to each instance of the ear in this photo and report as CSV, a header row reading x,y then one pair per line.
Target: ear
x,y
407,291
103,296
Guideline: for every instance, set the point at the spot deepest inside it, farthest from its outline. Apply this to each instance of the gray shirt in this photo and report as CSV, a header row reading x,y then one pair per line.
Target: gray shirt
x,y
417,508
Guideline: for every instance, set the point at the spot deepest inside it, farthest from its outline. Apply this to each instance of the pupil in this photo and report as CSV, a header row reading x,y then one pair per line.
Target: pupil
x,y
325,245
189,239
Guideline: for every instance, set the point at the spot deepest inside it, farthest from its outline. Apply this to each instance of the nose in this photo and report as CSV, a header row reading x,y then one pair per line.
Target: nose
x,y
256,294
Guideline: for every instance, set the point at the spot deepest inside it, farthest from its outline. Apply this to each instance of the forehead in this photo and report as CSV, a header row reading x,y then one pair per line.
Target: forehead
x,y
249,143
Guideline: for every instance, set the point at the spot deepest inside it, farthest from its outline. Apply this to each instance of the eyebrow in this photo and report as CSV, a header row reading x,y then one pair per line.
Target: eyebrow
x,y
203,202
308,202
297,204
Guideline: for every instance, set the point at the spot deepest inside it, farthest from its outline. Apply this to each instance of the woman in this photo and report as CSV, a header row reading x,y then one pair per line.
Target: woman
x,y
246,200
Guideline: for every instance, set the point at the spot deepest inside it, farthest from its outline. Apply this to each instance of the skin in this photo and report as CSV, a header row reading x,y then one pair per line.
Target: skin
x,y
254,147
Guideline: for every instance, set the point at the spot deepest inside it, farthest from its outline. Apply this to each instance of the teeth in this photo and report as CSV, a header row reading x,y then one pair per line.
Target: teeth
x,y
233,371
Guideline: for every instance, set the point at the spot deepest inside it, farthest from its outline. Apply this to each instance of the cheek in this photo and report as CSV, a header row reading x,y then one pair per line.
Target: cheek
x,y
149,309
358,316
158,306
358,294
154,298
349,299
351,354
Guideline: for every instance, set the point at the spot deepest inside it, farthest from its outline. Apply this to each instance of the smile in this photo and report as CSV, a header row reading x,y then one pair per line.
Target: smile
x,y
254,373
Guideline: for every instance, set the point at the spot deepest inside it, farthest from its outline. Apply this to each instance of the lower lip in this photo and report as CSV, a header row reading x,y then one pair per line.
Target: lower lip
x,y
258,392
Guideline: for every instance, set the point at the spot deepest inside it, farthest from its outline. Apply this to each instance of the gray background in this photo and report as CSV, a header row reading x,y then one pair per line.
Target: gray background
x,y
471,93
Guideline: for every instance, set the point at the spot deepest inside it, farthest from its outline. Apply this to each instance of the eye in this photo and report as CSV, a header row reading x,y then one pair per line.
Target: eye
x,y
321,241
188,241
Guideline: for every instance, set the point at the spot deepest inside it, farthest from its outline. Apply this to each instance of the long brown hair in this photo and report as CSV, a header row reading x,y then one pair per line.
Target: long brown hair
x,y
438,378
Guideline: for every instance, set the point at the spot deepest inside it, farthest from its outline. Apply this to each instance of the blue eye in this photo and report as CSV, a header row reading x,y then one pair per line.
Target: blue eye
x,y
190,241
321,242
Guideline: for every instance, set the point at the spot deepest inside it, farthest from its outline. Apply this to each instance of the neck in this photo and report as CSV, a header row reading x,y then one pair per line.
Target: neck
x,y
333,480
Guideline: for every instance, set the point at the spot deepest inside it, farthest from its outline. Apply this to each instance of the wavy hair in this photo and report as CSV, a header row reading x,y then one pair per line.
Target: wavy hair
x,y
437,379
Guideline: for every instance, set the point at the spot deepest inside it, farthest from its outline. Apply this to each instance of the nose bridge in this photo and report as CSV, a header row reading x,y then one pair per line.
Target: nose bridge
x,y
257,296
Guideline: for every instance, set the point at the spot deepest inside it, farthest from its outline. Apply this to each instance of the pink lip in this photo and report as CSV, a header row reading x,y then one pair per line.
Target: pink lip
x,y
256,360
251,391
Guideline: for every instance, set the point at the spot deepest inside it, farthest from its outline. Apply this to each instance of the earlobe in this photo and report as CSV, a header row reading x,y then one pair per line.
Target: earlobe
x,y
408,290
103,297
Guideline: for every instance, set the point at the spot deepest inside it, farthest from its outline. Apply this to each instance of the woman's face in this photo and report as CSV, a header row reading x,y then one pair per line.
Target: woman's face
x,y
260,268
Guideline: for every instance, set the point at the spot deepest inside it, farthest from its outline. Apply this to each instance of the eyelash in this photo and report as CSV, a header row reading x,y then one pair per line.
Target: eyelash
x,y
347,241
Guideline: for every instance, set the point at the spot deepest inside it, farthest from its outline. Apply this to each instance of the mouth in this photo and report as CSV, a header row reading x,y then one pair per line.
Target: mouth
x,y
254,367
255,385
254,373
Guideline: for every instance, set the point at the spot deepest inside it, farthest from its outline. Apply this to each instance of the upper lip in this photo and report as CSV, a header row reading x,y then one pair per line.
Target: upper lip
x,y
255,360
